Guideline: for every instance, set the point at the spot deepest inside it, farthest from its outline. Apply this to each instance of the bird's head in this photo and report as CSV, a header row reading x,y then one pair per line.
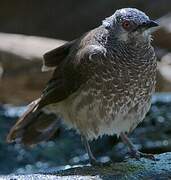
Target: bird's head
x,y
130,24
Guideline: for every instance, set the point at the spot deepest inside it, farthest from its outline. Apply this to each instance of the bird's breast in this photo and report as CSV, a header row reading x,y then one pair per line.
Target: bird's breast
x,y
115,98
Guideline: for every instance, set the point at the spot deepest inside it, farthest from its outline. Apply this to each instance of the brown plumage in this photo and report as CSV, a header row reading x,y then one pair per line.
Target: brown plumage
x,y
34,126
102,83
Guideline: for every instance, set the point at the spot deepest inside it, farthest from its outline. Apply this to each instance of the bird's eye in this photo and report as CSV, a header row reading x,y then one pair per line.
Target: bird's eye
x,y
126,25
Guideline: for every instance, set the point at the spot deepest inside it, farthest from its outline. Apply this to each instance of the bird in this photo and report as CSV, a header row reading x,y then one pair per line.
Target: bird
x,y
102,84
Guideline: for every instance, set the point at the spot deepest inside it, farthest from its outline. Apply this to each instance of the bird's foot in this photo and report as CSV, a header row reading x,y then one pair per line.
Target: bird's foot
x,y
137,155
95,162
133,152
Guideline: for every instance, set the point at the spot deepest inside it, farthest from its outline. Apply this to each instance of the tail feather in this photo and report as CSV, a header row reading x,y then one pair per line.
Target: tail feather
x,y
34,126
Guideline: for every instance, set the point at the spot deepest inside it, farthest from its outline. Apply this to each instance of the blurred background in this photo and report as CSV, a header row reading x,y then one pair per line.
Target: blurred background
x,y
30,28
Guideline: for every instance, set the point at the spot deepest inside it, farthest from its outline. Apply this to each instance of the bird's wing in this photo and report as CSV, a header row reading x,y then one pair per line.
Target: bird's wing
x,y
74,70
54,57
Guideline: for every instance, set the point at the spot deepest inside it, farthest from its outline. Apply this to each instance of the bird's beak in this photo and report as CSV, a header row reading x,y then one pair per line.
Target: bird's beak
x,y
146,25
149,24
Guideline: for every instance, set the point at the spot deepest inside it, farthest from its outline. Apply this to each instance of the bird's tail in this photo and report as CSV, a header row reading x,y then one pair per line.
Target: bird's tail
x,y
34,126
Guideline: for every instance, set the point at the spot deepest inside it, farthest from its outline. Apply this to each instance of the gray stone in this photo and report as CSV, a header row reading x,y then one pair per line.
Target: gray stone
x,y
129,170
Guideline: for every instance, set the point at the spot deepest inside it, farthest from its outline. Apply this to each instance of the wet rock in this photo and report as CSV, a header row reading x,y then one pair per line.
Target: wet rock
x,y
130,170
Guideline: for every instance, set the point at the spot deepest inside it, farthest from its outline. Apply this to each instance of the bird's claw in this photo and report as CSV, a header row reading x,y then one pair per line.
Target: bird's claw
x,y
137,155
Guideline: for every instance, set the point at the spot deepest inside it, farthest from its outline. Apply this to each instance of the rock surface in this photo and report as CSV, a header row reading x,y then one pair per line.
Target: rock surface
x,y
129,170
20,66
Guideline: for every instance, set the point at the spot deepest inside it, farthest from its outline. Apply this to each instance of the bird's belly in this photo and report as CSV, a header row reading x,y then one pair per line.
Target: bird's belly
x,y
93,118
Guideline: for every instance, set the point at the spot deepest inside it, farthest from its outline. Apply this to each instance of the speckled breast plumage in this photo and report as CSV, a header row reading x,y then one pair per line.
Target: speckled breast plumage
x,y
117,97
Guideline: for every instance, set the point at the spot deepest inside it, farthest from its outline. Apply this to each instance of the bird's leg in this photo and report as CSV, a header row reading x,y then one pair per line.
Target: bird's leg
x,y
133,151
92,159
